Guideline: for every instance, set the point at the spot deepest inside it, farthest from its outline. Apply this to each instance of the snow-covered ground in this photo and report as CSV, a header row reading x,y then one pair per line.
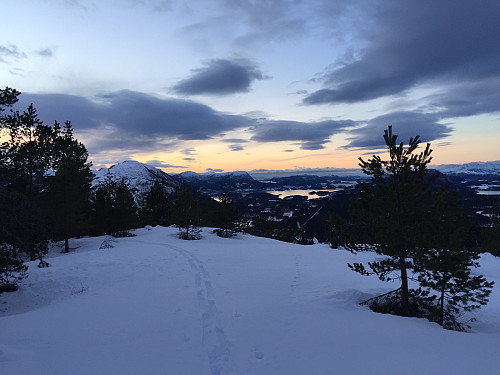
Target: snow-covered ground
x,y
155,304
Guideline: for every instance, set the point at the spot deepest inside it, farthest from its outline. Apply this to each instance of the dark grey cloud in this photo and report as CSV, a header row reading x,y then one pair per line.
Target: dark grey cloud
x,y
189,159
161,164
216,170
408,43
288,150
310,136
137,113
132,120
235,140
466,99
10,51
404,124
236,147
189,151
220,77
46,52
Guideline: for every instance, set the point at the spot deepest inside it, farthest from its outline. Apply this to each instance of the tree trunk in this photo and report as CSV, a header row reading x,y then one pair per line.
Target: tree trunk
x,y
66,243
441,301
405,304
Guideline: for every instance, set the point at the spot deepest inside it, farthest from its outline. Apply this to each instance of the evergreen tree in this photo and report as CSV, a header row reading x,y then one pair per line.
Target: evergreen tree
x,y
444,269
227,216
26,154
403,215
389,211
114,207
102,205
186,214
69,188
12,268
125,210
491,234
156,206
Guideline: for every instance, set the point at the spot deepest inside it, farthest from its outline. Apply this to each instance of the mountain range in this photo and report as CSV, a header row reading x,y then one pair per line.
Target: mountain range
x,y
141,177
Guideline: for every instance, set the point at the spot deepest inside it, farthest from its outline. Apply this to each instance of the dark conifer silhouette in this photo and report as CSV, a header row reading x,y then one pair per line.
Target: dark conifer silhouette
x,y
156,206
26,158
69,187
419,228
114,208
186,214
227,216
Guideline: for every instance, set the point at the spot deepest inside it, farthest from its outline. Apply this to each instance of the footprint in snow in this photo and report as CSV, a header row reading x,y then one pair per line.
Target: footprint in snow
x,y
257,353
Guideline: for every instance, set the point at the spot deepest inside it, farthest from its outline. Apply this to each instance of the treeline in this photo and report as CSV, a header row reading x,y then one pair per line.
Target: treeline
x,y
46,194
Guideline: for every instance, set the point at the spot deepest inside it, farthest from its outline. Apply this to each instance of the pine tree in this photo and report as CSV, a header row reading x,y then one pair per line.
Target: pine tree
x,y
186,214
124,210
491,233
114,207
69,187
444,269
26,156
12,267
388,213
102,206
227,216
156,206
404,215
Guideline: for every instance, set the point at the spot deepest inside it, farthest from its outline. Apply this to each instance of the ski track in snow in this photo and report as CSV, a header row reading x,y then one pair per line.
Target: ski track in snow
x,y
296,277
214,340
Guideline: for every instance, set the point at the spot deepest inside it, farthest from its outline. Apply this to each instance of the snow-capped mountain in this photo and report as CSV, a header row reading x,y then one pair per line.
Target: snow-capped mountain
x,y
139,176
475,168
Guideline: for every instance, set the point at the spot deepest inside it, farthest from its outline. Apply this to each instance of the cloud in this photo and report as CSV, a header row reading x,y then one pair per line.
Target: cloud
x,y
189,151
189,159
161,164
46,52
11,51
236,147
268,21
216,170
410,43
467,99
288,150
311,136
220,77
404,124
235,140
133,120
247,25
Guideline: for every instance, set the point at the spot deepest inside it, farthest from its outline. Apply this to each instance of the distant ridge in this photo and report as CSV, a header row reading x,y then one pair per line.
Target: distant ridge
x,y
217,183
474,168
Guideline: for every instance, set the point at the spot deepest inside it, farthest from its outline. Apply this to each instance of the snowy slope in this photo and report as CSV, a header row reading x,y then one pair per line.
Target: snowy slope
x,y
155,304
139,176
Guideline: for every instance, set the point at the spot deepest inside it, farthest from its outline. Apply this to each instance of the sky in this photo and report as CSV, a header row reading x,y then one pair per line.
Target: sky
x,y
224,85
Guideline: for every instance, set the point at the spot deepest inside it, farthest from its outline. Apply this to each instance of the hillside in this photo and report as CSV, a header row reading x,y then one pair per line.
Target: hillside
x,y
155,304
140,177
